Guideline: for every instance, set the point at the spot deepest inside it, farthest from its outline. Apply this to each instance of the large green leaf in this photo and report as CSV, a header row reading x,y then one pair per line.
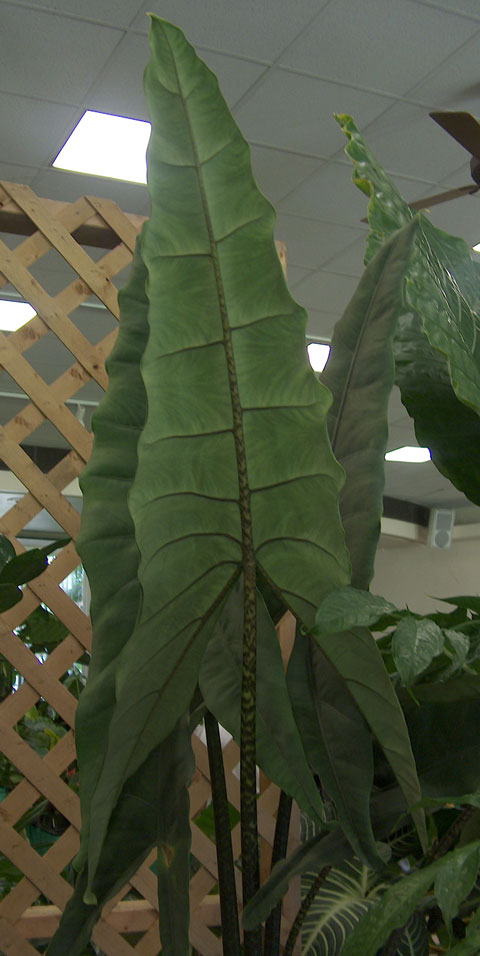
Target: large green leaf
x,y
470,946
360,375
355,656
450,429
337,742
442,291
280,751
145,816
106,543
216,488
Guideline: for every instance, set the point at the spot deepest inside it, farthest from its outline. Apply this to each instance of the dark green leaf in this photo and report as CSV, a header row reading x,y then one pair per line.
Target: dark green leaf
x,y
337,741
7,551
356,657
325,849
470,946
360,375
146,815
41,629
448,716
9,595
280,752
24,567
450,429
471,603
442,282
415,940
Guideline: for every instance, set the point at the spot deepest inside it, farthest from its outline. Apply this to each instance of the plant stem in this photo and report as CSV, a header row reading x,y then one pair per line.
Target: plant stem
x,y
252,939
306,904
223,839
271,944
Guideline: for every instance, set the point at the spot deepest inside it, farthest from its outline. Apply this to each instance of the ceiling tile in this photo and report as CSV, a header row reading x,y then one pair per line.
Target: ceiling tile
x,y
119,89
407,142
309,242
249,28
349,261
459,217
328,194
119,13
457,6
67,187
296,112
383,46
63,55
295,274
456,83
234,75
14,173
320,324
31,129
277,172
326,291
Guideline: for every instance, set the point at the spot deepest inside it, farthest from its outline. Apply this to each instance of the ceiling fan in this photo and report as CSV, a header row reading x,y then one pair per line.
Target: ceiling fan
x,y
465,128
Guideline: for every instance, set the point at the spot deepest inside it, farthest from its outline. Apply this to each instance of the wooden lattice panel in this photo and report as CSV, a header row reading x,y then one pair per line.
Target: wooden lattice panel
x,y
30,912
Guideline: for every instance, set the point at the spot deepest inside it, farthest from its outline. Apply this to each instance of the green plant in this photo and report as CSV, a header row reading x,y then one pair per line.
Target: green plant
x,y
212,503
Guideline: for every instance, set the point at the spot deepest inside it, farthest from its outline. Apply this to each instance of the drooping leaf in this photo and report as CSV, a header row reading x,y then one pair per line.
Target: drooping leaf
x,y
342,900
360,375
337,742
415,643
351,607
144,817
106,542
456,879
42,629
220,408
450,429
356,657
280,753
442,292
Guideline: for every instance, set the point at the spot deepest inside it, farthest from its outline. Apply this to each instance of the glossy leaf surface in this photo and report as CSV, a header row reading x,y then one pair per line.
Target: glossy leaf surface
x,y
351,607
456,880
216,485
360,375
415,644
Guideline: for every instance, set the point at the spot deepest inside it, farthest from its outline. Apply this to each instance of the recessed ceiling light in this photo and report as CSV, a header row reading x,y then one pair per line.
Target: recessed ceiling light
x,y
409,453
477,247
318,354
106,145
14,314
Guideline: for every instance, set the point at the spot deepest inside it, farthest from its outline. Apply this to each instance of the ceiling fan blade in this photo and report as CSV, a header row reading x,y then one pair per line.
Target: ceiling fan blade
x,y
464,127
444,197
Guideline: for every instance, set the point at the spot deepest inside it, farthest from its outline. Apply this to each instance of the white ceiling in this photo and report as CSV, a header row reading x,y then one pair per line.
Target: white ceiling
x,y
284,68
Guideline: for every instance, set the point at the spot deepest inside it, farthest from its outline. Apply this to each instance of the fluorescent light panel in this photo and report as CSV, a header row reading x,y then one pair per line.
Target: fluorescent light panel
x,y
409,453
106,145
14,314
477,247
318,354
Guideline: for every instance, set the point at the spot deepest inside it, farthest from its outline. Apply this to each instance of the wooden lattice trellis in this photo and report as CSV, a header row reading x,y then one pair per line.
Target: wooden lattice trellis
x,y
25,917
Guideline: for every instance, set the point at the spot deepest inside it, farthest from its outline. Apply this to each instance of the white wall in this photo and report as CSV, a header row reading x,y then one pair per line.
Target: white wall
x,y
410,573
